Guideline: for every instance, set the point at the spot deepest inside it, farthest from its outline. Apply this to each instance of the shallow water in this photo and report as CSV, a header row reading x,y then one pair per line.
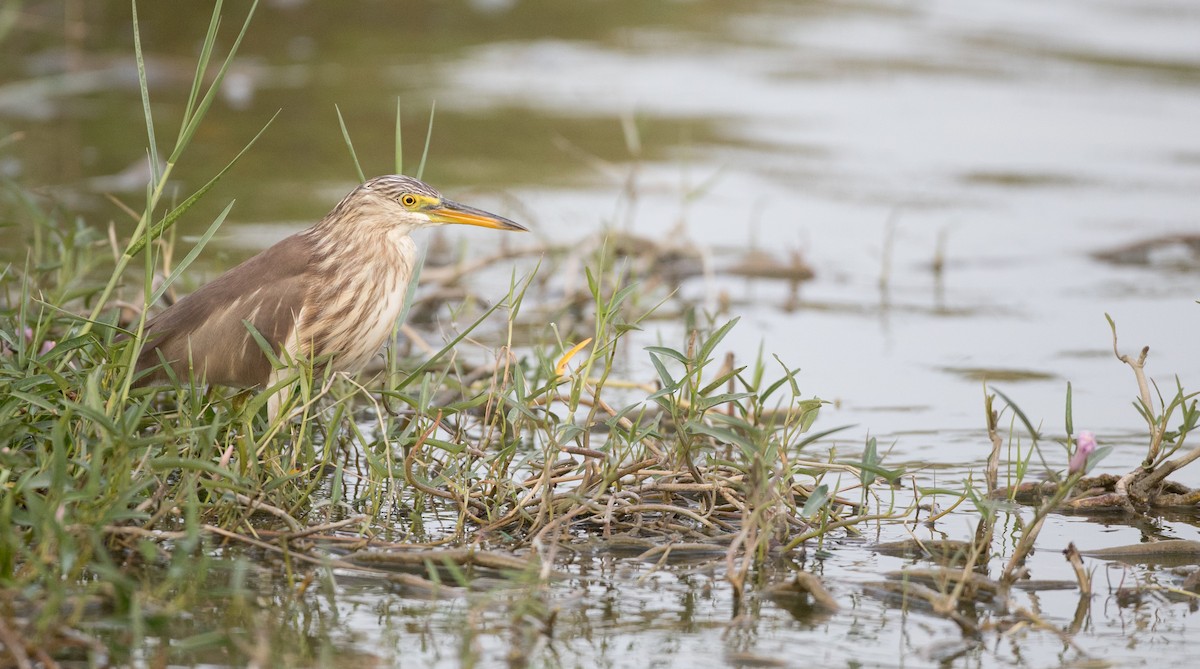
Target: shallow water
x,y
1022,138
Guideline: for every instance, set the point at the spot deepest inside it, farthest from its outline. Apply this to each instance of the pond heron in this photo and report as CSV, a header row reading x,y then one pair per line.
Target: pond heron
x,y
334,289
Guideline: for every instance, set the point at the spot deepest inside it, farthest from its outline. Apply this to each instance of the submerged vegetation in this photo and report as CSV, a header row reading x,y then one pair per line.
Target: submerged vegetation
x,y
474,470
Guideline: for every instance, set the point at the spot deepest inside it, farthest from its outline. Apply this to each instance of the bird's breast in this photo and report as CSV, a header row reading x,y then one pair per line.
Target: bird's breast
x,y
358,297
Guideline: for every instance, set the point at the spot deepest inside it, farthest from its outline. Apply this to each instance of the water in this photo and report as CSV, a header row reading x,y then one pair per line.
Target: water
x,y
1014,140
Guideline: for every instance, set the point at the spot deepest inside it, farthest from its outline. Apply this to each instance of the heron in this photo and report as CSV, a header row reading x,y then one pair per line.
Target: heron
x,y
331,292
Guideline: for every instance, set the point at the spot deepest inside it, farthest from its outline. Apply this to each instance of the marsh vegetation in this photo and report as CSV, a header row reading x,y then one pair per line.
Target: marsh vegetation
x,y
568,456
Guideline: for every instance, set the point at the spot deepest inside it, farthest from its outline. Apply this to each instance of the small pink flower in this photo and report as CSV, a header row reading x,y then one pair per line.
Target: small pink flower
x,y
47,345
1085,444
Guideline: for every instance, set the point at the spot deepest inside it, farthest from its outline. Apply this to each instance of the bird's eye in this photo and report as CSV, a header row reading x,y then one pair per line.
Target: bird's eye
x,y
409,200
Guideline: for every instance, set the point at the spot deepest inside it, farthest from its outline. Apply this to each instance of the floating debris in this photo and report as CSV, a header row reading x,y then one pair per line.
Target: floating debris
x,y
944,551
1180,251
1173,551
807,589
757,264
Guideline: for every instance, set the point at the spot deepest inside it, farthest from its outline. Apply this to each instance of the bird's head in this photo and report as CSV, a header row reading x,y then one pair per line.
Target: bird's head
x,y
411,203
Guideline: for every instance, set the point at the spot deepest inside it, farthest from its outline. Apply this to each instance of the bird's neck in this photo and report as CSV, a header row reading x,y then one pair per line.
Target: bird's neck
x,y
361,234
359,269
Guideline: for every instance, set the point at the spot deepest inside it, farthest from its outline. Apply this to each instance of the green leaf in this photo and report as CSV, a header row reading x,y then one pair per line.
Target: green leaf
x,y
706,403
1096,456
818,499
714,339
870,459
191,464
620,296
820,435
410,290
267,349
448,446
669,352
723,436
416,373
210,39
735,421
788,377
569,432
664,377
467,404
724,378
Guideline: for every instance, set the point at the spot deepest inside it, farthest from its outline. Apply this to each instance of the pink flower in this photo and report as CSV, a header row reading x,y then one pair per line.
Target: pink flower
x,y
47,345
1085,444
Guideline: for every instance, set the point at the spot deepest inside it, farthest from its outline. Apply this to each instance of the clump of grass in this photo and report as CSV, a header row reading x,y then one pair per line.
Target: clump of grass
x,y
541,449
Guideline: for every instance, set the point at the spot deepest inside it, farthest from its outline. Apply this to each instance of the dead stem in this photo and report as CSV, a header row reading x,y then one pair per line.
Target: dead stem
x,y
259,505
407,580
1081,573
14,644
459,556
412,480
317,529
993,461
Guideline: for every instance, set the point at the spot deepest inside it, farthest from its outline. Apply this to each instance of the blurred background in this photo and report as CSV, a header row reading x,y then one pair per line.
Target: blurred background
x,y
972,184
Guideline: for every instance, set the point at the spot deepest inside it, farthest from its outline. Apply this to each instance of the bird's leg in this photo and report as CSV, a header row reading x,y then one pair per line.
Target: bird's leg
x,y
279,399
236,404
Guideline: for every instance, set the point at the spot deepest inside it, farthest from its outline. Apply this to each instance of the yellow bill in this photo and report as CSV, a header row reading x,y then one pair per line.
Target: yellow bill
x,y
452,212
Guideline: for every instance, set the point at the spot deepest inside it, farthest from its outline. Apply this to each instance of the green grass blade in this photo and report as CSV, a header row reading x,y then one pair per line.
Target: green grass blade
x,y
162,226
821,435
145,91
399,142
1070,416
350,145
210,39
193,254
416,373
192,123
669,352
789,376
410,291
1020,415
428,139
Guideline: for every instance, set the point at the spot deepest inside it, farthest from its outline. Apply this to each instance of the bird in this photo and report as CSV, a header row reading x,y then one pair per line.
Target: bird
x,y
331,292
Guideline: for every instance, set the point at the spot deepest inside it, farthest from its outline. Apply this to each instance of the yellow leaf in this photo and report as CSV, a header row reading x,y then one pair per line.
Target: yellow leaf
x,y
562,362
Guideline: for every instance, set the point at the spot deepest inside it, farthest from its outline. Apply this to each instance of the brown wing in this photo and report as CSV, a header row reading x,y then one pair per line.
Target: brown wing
x,y
206,331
